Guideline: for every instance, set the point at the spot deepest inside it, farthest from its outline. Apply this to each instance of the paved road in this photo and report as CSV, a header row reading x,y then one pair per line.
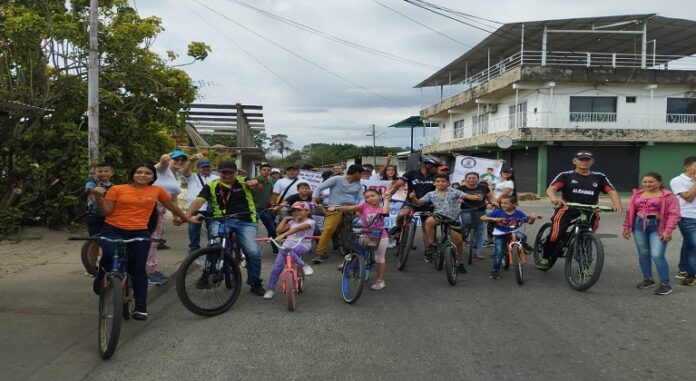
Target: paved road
x,y
418,328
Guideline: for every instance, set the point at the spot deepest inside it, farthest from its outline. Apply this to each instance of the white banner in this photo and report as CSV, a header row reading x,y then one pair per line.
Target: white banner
x,y
311,177
466,164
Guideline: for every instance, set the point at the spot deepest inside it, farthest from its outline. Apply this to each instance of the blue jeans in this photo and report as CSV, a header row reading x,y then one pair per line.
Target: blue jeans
x,y
137,256
501,242
268,221
687,259
465,219
246,235
194,232
650,248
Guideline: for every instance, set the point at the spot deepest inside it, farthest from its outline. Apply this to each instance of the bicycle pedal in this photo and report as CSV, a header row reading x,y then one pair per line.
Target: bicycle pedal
x,y
348,257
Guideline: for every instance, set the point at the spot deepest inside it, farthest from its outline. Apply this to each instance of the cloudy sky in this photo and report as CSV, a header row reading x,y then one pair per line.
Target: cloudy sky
x,y
317,90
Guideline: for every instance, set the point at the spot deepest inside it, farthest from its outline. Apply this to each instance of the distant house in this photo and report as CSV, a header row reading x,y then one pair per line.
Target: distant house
x,y
623,87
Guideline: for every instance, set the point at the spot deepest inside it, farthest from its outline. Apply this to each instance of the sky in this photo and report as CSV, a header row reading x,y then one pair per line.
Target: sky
x,y
319,91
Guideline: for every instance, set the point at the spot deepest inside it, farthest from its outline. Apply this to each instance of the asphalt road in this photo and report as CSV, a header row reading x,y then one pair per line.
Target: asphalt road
x,y
419,327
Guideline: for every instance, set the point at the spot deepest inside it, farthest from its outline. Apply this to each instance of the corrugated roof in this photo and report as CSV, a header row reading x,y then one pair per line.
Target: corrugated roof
x,y
674,37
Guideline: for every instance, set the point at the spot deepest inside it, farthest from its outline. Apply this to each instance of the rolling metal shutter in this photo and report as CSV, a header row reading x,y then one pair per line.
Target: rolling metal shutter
x,y
524,166
619,163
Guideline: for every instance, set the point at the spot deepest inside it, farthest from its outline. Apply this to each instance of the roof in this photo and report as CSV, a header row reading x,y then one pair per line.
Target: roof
x,y
412,121
673,36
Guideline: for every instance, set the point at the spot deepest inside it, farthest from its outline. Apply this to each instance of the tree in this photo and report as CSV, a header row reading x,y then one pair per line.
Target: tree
x,y
43,61
260,140
280,144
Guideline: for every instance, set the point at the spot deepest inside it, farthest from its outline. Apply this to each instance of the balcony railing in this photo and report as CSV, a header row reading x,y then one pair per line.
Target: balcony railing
x,y
559,58
567,120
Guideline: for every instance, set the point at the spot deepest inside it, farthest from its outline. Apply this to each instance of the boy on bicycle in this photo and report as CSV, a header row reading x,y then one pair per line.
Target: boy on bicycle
x,y
508,220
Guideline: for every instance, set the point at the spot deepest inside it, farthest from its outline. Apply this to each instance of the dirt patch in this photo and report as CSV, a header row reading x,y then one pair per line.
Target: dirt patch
x,y
35,247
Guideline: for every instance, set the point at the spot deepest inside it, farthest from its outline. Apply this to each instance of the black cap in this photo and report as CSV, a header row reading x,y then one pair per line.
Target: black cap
x,y
506,168
227,165
291,166
584,153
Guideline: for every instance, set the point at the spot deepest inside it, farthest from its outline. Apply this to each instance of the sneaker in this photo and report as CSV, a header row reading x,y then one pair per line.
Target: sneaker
x,y
428,258
319,259
98,283
664,289
494,275
392,244
307,270
489,244
162,245
269,294
258,290
478,256
202,283
154,280
646,283
527,249
543,262
394,230
681,275
243,263
139,315
378,285
690,281
340,267
461,268
161,276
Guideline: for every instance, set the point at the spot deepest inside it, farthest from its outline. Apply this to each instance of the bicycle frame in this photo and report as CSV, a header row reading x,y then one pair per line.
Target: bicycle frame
x,y
512,241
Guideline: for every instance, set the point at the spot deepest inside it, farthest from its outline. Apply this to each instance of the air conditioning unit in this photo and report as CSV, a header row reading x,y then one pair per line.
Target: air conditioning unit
x,y
493,108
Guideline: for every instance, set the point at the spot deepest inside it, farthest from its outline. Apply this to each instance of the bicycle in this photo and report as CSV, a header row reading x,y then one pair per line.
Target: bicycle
x,y
471,232
209,280
445,254
293,277
358,263
344,237
407,236
116,300
583,263
515,255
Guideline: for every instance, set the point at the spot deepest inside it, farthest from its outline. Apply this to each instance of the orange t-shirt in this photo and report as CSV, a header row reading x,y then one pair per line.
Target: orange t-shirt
x,y
133,205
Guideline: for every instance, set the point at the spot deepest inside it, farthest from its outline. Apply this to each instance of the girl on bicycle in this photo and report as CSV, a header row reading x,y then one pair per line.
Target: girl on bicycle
x,y
507,220
127,209
372,220
293,229
653,213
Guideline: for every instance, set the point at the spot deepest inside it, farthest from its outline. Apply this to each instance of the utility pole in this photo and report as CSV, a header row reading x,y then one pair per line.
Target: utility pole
x,y
374,155
93,85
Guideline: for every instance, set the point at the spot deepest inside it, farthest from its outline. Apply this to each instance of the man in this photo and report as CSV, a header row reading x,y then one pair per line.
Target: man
x,y
420,182
473,207
196,181
286,186
344,190
684,186
336,170
230,195
275,176
580,185
262,201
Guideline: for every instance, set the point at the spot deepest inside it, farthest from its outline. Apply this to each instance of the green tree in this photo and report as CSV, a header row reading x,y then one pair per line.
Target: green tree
x,y
280,144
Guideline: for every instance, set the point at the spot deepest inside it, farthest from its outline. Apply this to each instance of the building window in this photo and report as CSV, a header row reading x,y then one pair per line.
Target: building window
x,y
459,129
630,99
480,124
681,110
518,119
593,109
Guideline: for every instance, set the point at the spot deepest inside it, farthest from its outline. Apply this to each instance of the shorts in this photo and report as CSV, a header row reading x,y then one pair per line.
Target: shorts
x,y
94,224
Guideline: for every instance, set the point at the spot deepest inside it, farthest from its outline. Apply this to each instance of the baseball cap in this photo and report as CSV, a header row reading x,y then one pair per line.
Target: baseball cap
x,y
203,163
227,165
275,170
506,168
581,154
289,167
176,153
302,205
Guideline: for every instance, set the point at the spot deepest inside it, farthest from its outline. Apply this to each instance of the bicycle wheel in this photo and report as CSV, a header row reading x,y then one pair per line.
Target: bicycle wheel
x,y
405,244
345,238
290,290
471,241
128,299
353,278
208,283
300,281
517,254
90,264
505,262
539,242
110,312
584,263
451,270
438,258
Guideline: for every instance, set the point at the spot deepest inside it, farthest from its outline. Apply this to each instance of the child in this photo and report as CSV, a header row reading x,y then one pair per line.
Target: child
x,y
372,219
95,221
507,220
446,201
295,229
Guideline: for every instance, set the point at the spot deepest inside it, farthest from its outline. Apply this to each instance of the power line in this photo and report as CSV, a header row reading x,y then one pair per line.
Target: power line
x,y
333,38
299,56
422,24
462,14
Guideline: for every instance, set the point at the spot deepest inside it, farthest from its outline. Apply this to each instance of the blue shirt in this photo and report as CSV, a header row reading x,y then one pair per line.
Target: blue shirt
x,y
506,227
91,206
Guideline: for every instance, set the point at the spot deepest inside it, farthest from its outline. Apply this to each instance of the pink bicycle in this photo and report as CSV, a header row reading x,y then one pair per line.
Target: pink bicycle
x,y
292,277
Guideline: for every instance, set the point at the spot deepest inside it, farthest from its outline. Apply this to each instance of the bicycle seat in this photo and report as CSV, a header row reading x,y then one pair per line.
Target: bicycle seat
x,y
445,220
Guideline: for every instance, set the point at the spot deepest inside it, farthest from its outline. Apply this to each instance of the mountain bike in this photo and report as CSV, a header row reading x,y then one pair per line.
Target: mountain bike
x,y
358,263
582,249
209,280
116,301
471,231
445,254
515,255
292,278
408,235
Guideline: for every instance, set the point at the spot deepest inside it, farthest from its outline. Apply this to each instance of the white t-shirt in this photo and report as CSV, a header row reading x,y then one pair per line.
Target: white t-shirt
x,y
297,239
168,182
680,184
283,183
195,187
500,185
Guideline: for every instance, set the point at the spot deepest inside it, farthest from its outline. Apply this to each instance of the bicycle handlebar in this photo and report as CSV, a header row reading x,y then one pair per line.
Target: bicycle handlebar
x,y
227,216
137,239
274,242
591,207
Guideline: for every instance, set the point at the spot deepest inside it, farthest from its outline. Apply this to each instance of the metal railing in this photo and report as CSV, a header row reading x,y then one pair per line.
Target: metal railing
x,y
681,118
593,117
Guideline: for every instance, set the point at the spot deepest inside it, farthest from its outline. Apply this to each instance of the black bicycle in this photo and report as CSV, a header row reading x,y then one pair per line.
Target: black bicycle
x,y
445,254
582,249
345,235
471,231
407,236
209,280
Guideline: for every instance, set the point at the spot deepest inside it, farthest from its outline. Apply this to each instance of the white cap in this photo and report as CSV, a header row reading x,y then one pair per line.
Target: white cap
x,y
275,170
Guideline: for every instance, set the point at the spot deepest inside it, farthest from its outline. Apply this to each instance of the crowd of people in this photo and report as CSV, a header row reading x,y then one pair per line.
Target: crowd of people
x,y
285,205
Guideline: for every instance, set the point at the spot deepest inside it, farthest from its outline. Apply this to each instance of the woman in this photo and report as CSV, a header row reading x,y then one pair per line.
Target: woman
x,y
653,213
127,209
504,187
168,168
388,172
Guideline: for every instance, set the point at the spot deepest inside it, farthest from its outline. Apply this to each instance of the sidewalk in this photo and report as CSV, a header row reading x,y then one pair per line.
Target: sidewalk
x,y
48,310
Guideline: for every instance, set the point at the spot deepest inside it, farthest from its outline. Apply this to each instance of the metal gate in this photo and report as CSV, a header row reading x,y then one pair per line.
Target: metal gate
x,y
619,163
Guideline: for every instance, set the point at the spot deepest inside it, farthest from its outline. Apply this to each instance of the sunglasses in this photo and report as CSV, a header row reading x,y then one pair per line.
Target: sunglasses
x,y
227,172
180,159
